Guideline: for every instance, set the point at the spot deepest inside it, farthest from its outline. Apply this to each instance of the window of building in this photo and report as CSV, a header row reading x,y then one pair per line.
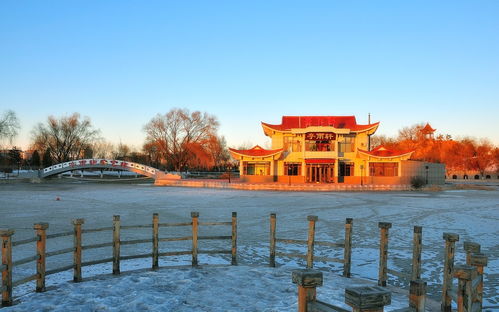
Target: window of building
x,y
256,168
346,169
292,169
319,146
292,144
348,144
383,169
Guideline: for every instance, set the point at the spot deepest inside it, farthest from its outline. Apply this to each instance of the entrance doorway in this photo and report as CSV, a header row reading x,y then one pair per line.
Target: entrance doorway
x,y
320,173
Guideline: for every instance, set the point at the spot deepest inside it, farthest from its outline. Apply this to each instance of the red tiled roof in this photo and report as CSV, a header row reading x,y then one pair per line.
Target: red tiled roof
x,y
382,151
428,129
256,151
340,122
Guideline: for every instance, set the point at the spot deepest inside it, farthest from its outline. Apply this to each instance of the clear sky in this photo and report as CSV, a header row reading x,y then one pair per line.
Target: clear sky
x,y
122,62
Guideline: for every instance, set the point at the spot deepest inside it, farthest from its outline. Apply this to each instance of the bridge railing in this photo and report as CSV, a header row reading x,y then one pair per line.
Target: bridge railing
x,y
41,255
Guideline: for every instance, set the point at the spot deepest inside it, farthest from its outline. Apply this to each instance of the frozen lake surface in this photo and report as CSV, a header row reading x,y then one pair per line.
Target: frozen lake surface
x,y
473,214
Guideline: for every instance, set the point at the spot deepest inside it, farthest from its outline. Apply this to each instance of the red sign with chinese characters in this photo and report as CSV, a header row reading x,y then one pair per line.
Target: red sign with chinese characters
x,y
320,136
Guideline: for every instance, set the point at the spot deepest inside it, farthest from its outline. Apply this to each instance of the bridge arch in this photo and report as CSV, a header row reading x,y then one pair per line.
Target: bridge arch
x,y
100,163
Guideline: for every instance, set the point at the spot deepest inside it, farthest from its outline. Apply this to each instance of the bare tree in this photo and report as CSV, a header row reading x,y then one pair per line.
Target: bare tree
x,y
177,132
122,152
9,125
103,149
66,138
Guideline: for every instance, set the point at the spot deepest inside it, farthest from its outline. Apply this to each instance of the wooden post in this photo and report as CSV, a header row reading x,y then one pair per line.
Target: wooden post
x,y
77,223
307,280
383,253
450,249
465,274
7,270
471,248
116,244
417,247
272,239
234,238
479,261
194,216
155,241
311,240
368,298
347,254
41,246
417,295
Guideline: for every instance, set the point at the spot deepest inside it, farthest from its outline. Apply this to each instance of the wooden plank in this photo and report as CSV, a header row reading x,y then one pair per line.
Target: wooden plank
x,y
175,224
25,241
213,237
175,253
272,244
77,223
290,255
450,250
329,244
328,259
347,252
215,223
174,239
195,217
59,252
94,246
58,270
136,241
24,280
155,241
417,248
108,228
135,256
138,226
211,252
24,260
234,239
292,241
116,244
62,234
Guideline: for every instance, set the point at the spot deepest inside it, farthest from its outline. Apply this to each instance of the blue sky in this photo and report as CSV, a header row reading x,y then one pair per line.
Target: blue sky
x,y
122,62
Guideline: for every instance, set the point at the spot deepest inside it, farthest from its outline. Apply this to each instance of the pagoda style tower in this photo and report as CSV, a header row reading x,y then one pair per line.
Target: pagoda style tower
x,y
428,131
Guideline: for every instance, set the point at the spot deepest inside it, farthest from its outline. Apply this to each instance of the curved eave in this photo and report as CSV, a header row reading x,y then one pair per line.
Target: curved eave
x,y
371,129
406,155
268,129
238,155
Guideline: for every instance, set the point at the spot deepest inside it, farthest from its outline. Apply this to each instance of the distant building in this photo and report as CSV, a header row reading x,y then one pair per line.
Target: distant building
x,y
329,149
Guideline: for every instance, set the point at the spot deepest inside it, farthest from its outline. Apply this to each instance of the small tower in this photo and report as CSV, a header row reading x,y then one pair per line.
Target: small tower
x,y
428,131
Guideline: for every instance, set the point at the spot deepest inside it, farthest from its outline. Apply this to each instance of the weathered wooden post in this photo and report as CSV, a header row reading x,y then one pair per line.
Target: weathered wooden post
x,y
311,240
272,239
417,295
368,298
234,238
450,249
417,248
7,266
41,247
195,219
479,261
383,253
307,280
347,254
465,274
155,241
77,223
471,248
116,244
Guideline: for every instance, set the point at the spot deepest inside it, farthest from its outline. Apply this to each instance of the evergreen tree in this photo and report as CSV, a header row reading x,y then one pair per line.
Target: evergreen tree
x,y
35,159
47,159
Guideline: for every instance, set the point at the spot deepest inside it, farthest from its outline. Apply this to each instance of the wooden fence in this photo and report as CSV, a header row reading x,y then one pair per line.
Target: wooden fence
x,y
311,243
41,255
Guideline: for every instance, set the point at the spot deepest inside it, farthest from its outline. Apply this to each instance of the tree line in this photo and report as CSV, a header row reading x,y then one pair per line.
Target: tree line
x,y
463,155
178,140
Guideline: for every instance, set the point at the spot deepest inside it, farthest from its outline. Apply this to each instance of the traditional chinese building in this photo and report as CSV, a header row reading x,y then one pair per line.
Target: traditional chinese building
x,y
325,149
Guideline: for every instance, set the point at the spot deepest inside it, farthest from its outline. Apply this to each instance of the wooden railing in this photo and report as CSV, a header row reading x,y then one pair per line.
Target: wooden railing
x,y
41,255
311,243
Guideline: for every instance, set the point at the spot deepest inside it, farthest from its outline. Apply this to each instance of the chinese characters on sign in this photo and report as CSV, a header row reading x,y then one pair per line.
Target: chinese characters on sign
x,y
320,136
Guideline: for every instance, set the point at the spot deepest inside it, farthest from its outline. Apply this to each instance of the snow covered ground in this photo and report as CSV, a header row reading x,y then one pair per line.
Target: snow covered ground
x,y
473,214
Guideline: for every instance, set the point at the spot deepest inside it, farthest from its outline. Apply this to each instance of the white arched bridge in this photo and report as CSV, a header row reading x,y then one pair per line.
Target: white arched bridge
x,y
82,164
